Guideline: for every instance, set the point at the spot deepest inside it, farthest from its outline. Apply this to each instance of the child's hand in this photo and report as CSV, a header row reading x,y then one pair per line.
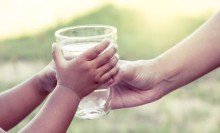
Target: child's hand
x,y
88,71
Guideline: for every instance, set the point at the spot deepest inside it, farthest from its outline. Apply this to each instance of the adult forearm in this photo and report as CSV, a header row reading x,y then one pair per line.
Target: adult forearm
x,y
57,113
195,56
18,102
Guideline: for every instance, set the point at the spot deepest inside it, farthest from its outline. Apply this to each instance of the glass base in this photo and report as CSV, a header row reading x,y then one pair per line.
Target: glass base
x,y
95,105
91,114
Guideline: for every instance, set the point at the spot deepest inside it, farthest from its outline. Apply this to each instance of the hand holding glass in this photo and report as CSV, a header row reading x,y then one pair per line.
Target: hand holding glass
x,y
74,41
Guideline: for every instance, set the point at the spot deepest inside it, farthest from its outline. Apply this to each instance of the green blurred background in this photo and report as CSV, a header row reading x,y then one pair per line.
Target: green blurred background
x,y
146,28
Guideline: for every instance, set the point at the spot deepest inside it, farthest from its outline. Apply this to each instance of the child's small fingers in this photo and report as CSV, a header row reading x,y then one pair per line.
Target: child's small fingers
x,y
57,55
108,66
108,83
116,79
69,57
93,52
109,75
105,57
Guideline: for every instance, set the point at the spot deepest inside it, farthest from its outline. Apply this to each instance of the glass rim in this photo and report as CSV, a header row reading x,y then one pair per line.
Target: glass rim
x,y
58,35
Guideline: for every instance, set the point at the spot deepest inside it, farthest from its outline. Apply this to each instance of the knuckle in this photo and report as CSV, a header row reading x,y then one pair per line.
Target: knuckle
x,y
91,66
107,57
96,51
112,63
82,65
107,77
79,60
96,78
86,68
114,72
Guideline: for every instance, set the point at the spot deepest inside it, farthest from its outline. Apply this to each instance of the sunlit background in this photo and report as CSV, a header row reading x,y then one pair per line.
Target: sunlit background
x,y
146,28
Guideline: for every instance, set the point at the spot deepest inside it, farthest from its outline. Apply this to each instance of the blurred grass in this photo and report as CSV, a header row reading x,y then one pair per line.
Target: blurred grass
x,y
138,38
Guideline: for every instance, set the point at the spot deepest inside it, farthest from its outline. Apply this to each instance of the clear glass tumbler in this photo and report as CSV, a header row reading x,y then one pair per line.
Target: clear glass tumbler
x,y
75,40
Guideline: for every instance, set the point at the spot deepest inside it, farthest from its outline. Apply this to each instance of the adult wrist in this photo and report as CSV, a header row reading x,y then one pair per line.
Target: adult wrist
x,y
167,72
155,70
162,69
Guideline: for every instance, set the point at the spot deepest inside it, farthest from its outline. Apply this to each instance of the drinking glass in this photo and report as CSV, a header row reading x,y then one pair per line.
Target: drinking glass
x,y
74,41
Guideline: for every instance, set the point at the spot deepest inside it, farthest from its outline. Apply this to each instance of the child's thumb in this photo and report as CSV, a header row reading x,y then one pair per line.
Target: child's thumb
x,y
57,55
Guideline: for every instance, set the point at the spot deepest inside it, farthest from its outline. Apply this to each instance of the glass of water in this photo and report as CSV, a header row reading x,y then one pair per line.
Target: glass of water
x,y
74,41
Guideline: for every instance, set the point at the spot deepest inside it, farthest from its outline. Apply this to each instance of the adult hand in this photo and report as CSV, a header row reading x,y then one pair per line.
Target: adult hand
x,y
137,83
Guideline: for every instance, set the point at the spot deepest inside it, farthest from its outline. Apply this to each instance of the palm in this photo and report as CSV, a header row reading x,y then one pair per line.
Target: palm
x,y
135,85
125,95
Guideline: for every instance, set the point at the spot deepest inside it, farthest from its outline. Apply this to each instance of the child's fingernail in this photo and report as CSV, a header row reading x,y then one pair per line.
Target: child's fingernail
x,y
117,56
107,40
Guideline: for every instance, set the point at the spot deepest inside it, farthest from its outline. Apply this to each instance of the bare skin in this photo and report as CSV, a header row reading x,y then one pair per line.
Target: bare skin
x,y
144,81
16,103
93,70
